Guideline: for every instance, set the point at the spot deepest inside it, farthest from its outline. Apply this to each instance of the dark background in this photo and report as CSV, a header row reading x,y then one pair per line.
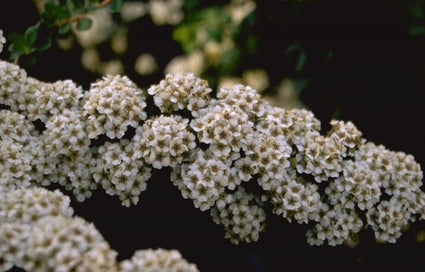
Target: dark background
x,y
375,79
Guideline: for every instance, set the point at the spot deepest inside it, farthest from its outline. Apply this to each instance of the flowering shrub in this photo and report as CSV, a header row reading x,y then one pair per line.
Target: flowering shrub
x,y
218,148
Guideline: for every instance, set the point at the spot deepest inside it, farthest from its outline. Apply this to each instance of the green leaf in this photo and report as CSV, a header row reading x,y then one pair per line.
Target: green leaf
x,y
302,58
54,12
31,35
46,45
115,5
70,5
84,24
77,7
291,48
17,45
64,29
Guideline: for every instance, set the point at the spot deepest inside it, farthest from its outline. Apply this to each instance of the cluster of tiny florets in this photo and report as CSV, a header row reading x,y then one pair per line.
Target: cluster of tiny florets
x,y
113,104
296,125
164,140
347,134
63,155
53,99
241,215
321,157
14,166
13,239
159,260
400,178
38,233
181,91
218,149
203,178
36,99
16,127
293,198
65,134
336,226
119,173
225,128
65,242
27,228
16,89
244,98
28,205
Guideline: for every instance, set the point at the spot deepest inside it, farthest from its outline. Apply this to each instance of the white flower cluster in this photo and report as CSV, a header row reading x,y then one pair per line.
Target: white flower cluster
x,y
297,125
204,178
322,158
2,40
164,141
113,104
337,225
227,145
181,91
293,198
244,98
38,233
241,215
28,205
65,134
53,99
14,165
66,244
225,128
158,260
385,185
121,172
16,127
16,89
35,99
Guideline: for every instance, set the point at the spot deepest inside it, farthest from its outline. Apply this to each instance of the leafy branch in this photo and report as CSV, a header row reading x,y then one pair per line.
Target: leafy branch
x,y
56,19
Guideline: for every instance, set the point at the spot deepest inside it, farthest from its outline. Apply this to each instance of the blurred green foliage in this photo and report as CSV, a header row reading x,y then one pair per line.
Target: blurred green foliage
x,y
213,20
55,20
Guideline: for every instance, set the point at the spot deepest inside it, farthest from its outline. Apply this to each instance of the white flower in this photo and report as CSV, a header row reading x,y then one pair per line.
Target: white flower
x,y
2,40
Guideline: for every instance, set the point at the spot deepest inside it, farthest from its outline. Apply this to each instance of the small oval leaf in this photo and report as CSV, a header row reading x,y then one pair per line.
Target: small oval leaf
x,y
31,35
46,45
63,29
84,24
115,5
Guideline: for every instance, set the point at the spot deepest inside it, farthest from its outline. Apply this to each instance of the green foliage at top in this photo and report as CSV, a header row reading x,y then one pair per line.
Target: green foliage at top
x,y
56,20
213,20
26,44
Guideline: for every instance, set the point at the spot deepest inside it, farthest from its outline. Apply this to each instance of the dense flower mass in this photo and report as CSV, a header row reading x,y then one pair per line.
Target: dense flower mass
x,y
181,91
164,141
113,104
218,148
39,233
